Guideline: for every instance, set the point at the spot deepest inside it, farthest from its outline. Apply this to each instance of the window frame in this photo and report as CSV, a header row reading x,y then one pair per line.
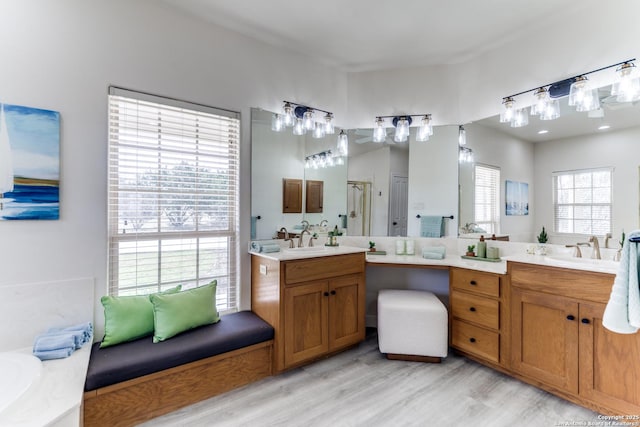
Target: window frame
x,y
494,224
228,236
555,208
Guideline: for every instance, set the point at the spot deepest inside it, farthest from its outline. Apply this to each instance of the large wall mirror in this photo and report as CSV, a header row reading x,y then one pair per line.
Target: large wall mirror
x,y
372,194
608,138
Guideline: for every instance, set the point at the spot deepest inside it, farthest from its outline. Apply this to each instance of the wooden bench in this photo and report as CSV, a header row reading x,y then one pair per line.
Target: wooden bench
x,y
133,382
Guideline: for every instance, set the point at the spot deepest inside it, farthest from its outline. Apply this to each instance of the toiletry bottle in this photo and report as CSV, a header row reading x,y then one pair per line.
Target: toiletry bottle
x,y
482,248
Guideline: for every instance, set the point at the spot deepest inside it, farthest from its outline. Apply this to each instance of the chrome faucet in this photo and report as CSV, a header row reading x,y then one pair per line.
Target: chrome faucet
x,y
595,254
606,240
305,224
300,242
324,223
311,239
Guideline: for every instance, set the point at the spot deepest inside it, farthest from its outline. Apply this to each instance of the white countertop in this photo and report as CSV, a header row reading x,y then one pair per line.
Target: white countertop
x,y
448,261
309,252
56,397
584,264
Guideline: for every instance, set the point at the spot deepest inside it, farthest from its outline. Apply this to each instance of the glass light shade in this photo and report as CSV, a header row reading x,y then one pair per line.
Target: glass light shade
x,y
462,136
379,132
520,118
329,161
508,110
583,96
277,124
289,117
329,129
540,98
339,161
298,127
425,130
318,131
626,88
307,120
465,155
402,130
343,144
307,163
551,110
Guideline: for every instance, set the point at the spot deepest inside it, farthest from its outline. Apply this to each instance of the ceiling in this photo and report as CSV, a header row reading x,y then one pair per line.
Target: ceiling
x,y
365,35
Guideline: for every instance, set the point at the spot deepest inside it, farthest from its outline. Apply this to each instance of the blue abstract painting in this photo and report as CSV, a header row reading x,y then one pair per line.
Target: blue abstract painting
x,y
516,198
29,163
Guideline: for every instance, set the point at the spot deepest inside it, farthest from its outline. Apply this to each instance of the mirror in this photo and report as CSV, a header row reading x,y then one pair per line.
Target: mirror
x,y
281,155
574,141
378,192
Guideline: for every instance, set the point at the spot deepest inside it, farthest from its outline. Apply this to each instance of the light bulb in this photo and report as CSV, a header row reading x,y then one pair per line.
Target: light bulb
x,y
425,130
307,119
343,144
298,128
462,136
540,97
277,124
507,110
582,96
318,131
379,132
329,129
289,118
402,130
626,88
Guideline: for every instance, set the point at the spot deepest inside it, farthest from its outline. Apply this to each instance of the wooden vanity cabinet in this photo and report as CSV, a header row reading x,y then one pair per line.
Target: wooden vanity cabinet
x,y
477,309
316,305
559,343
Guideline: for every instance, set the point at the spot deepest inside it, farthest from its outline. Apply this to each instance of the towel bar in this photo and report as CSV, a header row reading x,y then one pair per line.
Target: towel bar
x,y
445,217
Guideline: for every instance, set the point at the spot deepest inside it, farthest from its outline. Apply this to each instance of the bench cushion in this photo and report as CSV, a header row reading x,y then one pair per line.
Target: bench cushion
x,y
122,362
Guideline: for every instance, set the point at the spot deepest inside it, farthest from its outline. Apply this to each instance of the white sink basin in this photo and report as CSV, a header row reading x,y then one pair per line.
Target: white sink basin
x,y
307,249
17,372
596,263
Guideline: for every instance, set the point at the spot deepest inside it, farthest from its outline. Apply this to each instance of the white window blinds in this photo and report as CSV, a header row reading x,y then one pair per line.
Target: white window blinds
x,y
582,201
173,196
487,199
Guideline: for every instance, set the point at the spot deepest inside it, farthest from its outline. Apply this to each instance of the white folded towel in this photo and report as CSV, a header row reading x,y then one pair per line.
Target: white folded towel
x,y
622,314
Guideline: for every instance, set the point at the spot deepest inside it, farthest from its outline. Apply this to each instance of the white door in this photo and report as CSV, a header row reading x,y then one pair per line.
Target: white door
x,y
398,201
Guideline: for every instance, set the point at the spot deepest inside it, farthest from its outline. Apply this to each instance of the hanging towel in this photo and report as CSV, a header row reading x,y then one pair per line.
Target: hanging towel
x,y
622,314
343,221
431,226
254,226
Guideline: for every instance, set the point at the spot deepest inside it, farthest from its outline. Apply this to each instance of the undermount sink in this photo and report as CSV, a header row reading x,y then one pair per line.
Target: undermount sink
x,y
307,249
17,372
603,263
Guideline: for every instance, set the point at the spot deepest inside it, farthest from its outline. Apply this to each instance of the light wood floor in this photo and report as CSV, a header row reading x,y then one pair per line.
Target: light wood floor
x,y
361,388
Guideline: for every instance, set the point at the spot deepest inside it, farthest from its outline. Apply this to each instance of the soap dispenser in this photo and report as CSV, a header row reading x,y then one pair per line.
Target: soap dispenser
x,y
482,248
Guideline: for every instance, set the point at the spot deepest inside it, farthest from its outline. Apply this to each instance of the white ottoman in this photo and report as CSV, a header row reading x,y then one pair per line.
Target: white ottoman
x,y
412,325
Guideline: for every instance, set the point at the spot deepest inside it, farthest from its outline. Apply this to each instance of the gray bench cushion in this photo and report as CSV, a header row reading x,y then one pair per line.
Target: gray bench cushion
x,y
122,362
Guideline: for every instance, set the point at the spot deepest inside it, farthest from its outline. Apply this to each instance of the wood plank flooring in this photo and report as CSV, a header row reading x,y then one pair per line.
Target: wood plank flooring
x,y
362,388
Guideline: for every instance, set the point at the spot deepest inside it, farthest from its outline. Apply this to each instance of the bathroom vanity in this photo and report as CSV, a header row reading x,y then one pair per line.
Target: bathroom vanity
x,y
313,298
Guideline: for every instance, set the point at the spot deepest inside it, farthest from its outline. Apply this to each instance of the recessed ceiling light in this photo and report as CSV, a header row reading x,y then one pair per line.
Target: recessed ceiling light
x,y
604,127
542,132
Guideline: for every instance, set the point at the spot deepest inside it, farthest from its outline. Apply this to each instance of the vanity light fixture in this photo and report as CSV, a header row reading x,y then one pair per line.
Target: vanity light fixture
x,y
465,154
581,95
323,159
301,118
402,125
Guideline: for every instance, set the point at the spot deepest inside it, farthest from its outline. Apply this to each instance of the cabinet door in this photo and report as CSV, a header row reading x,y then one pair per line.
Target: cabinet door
x,y
314,196
291,195
346,311
545,338
609,363
305,322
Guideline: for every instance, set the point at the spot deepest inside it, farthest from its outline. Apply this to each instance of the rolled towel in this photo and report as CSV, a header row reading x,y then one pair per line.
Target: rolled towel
x,y
265,247
54,341
53,354
79,338
434,252
86,329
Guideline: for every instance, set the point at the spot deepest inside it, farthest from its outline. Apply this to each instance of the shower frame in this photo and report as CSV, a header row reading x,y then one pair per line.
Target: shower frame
x,y
365,207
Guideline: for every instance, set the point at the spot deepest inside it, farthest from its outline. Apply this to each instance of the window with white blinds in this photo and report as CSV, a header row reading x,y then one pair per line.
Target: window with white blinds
x,y
582,201
173,196
487,198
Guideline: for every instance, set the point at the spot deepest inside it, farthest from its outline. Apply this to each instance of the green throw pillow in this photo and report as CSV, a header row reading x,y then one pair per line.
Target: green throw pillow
x,y
128,318
186,310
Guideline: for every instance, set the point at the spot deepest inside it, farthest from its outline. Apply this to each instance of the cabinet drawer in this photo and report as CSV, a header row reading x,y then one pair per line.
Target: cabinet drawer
x,y
304,270
480,310
475,340
475,281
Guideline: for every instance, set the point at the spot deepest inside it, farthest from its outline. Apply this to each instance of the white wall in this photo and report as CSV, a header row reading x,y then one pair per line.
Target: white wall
x,y
515,158
433,179
63,55
619,150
